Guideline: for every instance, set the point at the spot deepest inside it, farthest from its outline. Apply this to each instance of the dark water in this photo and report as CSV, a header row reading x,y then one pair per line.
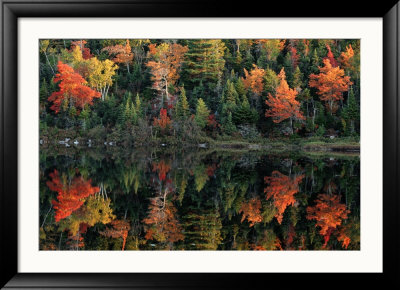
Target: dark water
x,y
106,200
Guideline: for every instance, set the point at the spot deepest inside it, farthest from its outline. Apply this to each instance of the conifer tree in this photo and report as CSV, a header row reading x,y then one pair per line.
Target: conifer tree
x,y
182,107
202,113
228,126
138,105
351,112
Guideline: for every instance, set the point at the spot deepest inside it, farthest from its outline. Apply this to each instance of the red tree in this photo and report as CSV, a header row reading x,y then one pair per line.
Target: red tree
x,y
163,121
254,80
71,195
86,54
162,168
72,89
331,57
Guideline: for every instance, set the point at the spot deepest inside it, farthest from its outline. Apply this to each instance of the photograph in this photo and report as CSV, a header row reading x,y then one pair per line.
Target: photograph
x,y
199,144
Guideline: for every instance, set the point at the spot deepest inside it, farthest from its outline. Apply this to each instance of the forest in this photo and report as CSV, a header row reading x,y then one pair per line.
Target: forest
x,y
199,144
183,92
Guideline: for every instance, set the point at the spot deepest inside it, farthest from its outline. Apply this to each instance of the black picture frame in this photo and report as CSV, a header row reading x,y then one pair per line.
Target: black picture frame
x,y
13,9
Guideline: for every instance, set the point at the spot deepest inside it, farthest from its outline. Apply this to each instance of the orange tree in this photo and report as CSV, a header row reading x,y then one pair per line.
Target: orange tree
x,y
330,84
283,105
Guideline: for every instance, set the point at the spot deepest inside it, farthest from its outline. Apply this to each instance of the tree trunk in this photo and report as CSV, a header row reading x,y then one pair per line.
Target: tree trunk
x,y
48,62
291,125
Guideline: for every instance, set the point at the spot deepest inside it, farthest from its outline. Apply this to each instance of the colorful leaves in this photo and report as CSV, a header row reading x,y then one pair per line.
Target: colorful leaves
x,y
163,121
71,194
121,53
73,90
282,189
328,213
163,226
330,83
254,80
283,104
119,229
251,211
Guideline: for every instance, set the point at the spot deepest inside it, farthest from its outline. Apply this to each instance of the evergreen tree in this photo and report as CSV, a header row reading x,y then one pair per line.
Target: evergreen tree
x,y
243,114
271,81
138,106
240,89
204,61
202,229
228,125
202,113
351,112
182,107
43,91
297,79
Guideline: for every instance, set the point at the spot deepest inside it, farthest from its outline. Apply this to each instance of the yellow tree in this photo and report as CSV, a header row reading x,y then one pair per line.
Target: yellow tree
x,y
330,84
95,210
100,75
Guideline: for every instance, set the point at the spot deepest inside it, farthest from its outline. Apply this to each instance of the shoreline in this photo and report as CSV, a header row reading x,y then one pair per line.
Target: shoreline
x,y
305,145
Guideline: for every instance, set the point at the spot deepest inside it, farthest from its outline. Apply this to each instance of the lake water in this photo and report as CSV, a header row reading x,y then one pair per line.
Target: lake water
x,y
102,199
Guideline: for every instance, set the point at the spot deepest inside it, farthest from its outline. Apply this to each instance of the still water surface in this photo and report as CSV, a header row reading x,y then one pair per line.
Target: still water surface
x,y
198,200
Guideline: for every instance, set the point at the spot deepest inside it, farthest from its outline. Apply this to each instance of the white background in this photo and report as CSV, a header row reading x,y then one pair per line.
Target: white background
x,y
368,259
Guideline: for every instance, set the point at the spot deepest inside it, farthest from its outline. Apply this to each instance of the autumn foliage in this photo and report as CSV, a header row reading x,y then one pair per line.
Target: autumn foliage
x,y
346,57
282,189
163,226
331,57
251,211
121,53
71,194
73,89
86,54
330,84
163,121
162,168
328,213
119,229
254,79
283,105
165,64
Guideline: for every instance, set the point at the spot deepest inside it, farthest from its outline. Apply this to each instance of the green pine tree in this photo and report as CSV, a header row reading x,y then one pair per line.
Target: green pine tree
x,y
138,106
351,112
202,114
182,107
228,126
297,78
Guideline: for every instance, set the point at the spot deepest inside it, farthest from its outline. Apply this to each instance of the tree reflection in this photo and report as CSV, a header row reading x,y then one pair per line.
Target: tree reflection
x,y
198,201
329,213
71,193
281,189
